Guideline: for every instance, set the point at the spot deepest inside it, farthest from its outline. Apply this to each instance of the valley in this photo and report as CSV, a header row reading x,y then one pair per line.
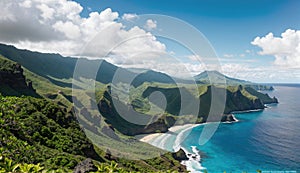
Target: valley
x,y
63,119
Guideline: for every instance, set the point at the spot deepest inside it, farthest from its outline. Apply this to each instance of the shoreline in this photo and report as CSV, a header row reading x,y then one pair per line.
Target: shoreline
x,y
247,111
149,137
194,157
193,163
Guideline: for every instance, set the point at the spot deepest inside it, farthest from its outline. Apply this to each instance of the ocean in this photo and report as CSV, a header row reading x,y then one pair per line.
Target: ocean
x,y
267,140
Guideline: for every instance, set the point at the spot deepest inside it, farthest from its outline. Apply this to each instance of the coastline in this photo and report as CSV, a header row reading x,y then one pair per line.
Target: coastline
x,y
193,163
149,137
158,139
247,111
194,158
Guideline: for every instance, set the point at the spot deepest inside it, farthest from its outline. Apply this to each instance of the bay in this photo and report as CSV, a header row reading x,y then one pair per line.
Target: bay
x,y
267,140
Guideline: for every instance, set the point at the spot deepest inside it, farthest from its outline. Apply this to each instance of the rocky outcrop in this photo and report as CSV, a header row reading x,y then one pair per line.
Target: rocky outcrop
x,y
180,155
14,81
275,100
86,165
228,118
14,77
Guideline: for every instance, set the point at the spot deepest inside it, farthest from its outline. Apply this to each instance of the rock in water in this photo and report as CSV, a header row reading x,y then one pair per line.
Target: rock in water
x,y
228,118
86,165
180,155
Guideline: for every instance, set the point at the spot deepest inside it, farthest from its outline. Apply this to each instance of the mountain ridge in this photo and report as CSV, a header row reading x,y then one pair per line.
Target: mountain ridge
x,y
41,131
50,69
215,77
51,76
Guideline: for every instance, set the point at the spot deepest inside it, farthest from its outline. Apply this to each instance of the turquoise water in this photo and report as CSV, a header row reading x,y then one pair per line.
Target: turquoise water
x,y
268,140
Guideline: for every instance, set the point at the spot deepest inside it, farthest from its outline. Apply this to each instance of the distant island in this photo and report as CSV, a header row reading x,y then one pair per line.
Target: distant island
x,y
42,122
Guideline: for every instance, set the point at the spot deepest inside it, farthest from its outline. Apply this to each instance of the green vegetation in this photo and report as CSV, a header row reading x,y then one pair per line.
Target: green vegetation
x,y
39,129
10,166
264,97
6,65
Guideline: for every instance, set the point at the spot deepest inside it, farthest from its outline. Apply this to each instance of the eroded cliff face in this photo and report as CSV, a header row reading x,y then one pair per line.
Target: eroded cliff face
x,y
240,102
237,99
14,77
113,117
13,81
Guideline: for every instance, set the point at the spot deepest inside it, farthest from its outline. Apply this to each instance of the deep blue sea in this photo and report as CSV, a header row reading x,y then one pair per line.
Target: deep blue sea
x,y
268,140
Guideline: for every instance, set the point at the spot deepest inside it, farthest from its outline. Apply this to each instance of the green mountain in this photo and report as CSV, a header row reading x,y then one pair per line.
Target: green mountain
x,y
38,131
238,98
57,69
43,134
216,77
40,115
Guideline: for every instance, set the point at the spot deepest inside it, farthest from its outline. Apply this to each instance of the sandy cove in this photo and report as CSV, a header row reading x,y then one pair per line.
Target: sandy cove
x,y
147,138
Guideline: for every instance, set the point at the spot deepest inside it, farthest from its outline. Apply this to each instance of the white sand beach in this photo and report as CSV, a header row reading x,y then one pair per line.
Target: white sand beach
x,y
150,137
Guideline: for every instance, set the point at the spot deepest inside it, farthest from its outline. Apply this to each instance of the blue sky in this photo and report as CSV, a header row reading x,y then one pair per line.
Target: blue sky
x,y
257,40
230,25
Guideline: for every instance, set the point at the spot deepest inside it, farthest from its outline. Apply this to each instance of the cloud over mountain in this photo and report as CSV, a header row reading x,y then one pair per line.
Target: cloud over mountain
x,y
57,26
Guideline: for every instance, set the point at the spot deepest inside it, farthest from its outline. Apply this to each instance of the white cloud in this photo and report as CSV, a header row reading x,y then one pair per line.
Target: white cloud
x,y
150,24
234,55
70,30
260,74
26,4
56,26
228,55
285,49
173,68
129,16
248,51
5,12
47,12
194,57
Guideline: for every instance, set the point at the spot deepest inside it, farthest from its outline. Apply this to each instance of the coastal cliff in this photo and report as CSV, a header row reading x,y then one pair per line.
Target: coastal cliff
x,y
237,99
51,74
112,117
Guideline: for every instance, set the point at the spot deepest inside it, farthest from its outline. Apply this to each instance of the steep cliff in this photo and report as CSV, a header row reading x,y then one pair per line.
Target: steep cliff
x,y
12,79
114,117
236,98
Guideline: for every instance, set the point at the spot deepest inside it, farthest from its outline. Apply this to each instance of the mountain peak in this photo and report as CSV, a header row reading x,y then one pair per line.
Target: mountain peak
x,y
215,76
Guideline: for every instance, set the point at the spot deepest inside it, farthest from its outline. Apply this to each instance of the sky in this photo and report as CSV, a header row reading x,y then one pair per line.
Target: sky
x,y
256,40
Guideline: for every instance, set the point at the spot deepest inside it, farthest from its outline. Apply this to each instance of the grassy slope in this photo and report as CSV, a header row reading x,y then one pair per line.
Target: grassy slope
x,y
6,64
35,130
57,87
238,98
53,145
